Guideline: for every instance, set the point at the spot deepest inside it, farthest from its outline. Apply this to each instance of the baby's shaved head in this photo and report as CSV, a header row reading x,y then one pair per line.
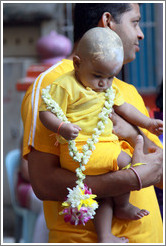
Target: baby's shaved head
x,y
100,44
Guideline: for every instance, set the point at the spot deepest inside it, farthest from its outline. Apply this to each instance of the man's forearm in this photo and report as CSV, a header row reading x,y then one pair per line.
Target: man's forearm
x,y
50,182
113,183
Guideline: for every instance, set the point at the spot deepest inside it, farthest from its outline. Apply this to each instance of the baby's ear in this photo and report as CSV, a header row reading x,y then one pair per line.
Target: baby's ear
x,y
76,62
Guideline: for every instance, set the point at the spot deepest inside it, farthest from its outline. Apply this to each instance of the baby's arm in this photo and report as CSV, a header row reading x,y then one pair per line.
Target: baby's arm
x,y
67,130
135,117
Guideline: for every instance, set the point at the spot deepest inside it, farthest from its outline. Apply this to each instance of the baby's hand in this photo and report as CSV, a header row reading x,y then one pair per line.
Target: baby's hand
x,y
156,127
69,131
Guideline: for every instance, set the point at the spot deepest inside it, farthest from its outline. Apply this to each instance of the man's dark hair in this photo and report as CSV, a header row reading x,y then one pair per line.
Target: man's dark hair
x,y
87,15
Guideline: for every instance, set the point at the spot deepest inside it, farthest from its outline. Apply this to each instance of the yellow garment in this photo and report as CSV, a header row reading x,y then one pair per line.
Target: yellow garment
x,y
147,230
102,160
82,105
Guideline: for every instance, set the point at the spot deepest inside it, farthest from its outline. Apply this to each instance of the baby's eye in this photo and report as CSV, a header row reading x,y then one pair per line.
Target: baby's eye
x,y
97,76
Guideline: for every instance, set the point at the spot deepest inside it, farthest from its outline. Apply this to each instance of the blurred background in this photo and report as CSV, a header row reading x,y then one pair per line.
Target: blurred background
x,y
35,36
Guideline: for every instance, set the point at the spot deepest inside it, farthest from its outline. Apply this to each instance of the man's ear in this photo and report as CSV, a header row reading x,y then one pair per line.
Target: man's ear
x,y
76,62
106,20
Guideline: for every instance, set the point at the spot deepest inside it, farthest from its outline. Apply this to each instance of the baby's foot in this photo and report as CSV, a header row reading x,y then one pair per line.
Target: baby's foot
x,y
112,239
129,212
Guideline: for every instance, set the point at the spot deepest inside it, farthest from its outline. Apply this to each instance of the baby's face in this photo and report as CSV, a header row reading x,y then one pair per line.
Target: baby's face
x,y
98,75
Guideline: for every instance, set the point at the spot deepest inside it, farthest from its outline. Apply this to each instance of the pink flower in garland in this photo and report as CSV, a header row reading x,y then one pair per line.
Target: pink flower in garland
x,y
76,217
79,206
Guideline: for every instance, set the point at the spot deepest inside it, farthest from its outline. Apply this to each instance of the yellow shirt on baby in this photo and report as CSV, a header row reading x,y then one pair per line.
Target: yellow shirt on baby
x,y
82,105
147,230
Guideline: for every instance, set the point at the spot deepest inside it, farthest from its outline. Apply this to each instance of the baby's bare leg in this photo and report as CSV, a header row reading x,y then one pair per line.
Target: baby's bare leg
x,y
122,208
103,223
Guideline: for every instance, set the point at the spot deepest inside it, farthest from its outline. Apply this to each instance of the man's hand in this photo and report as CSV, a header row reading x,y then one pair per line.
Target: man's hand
x,y
123,129
151,173
69,131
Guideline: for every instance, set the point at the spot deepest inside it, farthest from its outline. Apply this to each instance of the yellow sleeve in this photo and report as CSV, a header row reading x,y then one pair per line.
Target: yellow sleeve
x,y
59,95
118,96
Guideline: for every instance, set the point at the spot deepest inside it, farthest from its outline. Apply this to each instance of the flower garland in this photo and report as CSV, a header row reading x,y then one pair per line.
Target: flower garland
x,y
80,205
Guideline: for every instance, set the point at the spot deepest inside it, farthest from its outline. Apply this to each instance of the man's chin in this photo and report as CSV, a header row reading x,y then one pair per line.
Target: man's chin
x,y
129,59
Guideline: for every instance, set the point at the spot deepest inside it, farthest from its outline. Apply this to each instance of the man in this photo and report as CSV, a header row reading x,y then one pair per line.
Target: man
x,y
49,181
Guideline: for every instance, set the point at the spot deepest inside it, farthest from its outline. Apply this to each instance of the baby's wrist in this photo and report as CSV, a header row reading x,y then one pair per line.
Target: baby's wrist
x,y
149,123
59,127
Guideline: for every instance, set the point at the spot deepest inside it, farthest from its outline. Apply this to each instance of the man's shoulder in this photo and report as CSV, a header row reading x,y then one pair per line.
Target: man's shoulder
x,y
125,88
51,74
123,85
63,66
129,93
58,69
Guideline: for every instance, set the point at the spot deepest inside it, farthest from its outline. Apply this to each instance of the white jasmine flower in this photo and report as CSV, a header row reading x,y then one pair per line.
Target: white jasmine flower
x,y
100,125
85,148
71,153
88,153
82,168
90,144
97,131
80,183
94,139
85,160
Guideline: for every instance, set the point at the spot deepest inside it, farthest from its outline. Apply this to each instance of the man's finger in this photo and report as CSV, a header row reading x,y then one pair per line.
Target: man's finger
x,y
138,154
113,117
139,141
139,144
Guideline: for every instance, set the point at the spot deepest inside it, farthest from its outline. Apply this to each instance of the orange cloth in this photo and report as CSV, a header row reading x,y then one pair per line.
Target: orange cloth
x,y
147,230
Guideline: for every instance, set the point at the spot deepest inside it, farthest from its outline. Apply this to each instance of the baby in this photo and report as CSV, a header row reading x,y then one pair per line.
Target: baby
x,y
81,94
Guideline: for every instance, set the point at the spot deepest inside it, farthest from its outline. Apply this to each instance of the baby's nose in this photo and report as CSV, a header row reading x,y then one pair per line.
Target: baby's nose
x,y
101,83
